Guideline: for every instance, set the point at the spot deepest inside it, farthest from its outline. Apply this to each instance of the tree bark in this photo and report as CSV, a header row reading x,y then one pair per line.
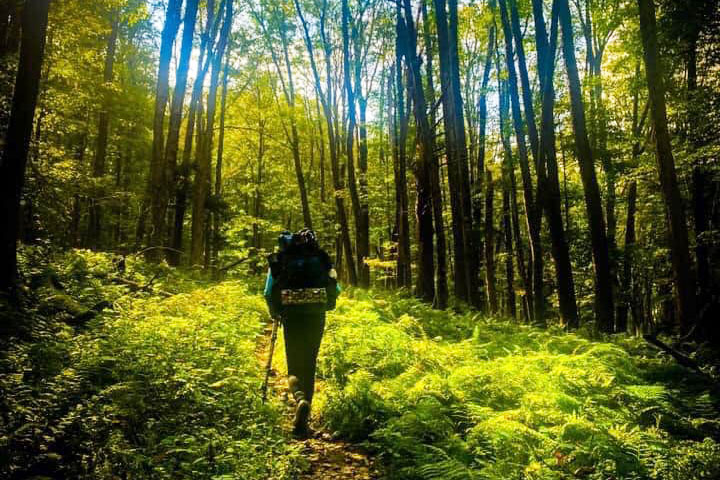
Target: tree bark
x,y
182,180
201,188
604,303
503,101
441,287
626,275
157,184
511,308
548,168
176,110
525,83
294,138
424,154
327,104
533,216
402,223
685,283
14,159
349,139
217,214
456,150
98,167
490,244
363,222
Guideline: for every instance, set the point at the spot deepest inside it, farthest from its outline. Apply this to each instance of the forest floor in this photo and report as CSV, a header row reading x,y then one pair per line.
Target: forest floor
x,y
151,372
325,457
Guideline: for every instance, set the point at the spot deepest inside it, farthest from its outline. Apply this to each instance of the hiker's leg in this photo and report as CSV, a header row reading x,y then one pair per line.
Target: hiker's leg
x,y
303,334
293,332
314,333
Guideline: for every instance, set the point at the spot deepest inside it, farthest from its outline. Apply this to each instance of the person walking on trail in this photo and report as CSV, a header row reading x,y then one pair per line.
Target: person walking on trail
x,y
301,286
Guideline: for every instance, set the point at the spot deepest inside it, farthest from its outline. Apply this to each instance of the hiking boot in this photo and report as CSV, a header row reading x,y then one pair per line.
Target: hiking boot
x,y
302,415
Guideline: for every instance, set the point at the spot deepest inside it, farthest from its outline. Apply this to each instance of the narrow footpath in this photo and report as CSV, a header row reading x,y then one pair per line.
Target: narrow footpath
x,y
327,458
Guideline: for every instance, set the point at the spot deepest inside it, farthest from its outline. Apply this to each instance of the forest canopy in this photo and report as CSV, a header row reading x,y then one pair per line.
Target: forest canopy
x,y
549,164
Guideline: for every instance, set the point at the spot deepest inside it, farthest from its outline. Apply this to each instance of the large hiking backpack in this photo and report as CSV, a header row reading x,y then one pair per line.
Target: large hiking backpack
x,y
301,276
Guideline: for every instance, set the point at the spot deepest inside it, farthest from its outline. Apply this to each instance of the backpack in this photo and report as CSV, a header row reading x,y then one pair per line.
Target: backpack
x,y
301,275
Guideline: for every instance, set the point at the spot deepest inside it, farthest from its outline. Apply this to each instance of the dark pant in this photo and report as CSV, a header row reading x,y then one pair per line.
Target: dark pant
x,y
303,334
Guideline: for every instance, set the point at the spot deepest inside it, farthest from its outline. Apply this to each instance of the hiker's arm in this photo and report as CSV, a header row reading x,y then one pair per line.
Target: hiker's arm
x,y
332,291
268,293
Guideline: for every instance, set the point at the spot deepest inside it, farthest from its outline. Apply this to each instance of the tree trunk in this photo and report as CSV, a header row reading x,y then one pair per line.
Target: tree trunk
x,y
174,178
182,180
482,126
626,275
455,146
98,167
441,287
12,165
527,301
679,248
548,168
402,222
201,189
327,104
363,222
295,138
157,185
533,216
604,304
424,153
257,200
490,244
525,83
217,214
350,137
511,309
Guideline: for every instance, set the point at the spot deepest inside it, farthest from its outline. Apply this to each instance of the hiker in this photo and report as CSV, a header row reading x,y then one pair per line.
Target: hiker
x,y
301,286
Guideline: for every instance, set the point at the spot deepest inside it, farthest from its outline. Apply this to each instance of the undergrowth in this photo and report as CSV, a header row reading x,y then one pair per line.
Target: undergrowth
x,y
454,396
105,382
151,388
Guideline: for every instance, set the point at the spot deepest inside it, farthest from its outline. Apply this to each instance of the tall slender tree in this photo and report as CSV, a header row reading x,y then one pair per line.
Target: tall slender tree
x,y
157,181
547,167
326,99
604,303
98,166
423,162
201,187
176,111
441,287
183,173
456,150
533,217
684,274
14,159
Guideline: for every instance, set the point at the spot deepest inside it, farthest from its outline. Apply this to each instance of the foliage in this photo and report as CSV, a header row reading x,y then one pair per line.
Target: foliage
x,y
508,401
153,388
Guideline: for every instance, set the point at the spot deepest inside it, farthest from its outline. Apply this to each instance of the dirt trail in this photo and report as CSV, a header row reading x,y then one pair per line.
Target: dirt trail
x,y
328,459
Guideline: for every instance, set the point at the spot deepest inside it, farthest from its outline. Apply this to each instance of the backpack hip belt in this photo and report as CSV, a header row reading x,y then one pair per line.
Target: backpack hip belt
x,y
303,296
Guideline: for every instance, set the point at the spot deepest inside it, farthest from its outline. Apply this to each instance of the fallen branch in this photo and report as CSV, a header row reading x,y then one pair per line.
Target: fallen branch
x,y
680,357
137,287
148,249
234,264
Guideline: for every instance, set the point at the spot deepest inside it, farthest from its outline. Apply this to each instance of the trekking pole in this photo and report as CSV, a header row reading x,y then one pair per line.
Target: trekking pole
x,y
268,367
